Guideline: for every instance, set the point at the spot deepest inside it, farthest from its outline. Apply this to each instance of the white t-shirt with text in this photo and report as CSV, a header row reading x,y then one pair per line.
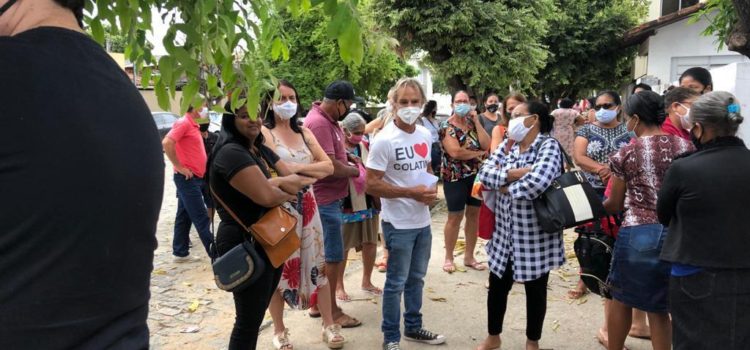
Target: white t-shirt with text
x,y
402,157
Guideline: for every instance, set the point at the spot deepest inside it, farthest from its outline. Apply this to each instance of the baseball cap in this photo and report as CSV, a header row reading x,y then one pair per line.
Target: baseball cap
x,y
340,90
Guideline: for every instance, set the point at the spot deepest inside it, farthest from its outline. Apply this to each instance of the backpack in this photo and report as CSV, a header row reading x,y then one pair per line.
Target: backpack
x,y
593,248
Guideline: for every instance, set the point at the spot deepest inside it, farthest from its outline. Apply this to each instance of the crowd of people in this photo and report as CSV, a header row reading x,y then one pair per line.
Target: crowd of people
x,y
671,168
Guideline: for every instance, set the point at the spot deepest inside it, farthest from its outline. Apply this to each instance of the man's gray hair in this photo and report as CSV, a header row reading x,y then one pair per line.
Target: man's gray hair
x,y
718,111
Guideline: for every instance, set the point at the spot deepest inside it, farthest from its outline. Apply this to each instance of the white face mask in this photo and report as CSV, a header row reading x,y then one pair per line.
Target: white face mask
x,y
517,130
204,112
684,120
409,115
286,110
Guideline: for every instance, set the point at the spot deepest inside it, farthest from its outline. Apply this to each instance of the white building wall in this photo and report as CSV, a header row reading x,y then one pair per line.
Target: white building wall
x,y
677,40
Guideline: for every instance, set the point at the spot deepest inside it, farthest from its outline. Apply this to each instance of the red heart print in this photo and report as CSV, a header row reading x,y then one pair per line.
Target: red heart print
x,y
421,149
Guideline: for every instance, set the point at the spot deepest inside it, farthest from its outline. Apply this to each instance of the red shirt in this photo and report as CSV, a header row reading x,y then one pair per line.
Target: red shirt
x,y
331,139
671,129
189,145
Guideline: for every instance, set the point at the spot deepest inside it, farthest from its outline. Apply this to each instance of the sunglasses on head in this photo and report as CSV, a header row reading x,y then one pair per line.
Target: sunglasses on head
x,y
605,106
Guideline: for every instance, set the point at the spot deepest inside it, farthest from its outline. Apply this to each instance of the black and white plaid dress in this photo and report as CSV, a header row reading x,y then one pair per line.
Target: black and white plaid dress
x,y
517,237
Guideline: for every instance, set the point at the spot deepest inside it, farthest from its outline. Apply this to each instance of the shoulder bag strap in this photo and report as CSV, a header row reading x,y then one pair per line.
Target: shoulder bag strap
x,y
228,209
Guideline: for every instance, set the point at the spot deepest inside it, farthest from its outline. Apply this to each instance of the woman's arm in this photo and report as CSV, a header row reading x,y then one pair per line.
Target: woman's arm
x,y
492,174
455,151
615,203
321,167
546,168
251,182
669,195
497,138
484,138
376,124
581,159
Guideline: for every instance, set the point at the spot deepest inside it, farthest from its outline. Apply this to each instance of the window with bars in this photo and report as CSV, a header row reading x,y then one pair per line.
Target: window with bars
x,y
670,6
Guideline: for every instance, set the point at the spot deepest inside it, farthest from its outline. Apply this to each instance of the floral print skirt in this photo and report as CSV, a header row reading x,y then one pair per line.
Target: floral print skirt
x,y
302,272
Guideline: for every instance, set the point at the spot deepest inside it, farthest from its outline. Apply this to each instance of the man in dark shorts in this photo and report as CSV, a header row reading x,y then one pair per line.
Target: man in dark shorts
x,y
82,179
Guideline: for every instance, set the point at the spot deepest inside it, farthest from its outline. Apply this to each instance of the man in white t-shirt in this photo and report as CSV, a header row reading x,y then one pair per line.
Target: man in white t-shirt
x,y
398,171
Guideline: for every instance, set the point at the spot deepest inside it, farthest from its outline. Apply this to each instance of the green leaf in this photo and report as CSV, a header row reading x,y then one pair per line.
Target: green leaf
x,y
276,48
183,57
97,31
227,70
330,7
189,93
350,43
339,22
162,97
166,67
146,77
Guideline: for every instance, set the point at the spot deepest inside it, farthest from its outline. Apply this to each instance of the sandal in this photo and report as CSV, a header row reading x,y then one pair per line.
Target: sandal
x,y
577,293
281,341
449,267
332,337
373,291
382,266
476,265
346,321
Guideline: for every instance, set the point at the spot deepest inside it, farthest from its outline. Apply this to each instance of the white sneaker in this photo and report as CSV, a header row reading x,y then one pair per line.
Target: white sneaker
x,y
185,259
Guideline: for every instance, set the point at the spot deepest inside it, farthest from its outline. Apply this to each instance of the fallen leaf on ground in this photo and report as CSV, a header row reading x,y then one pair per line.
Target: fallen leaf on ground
x,y
194,306
159,272
439,299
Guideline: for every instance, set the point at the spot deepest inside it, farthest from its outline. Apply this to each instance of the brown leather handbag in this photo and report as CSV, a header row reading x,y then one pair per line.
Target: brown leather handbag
x,y
276,231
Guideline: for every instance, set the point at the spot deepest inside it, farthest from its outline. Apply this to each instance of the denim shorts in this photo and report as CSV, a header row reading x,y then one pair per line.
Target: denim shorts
x,y
638,278
333,239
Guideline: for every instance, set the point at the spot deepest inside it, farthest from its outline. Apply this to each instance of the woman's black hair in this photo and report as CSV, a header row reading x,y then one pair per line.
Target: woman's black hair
x,y
490,95
642,86
429,108
702,75
541,110
267,105
649,106
567,103
76,6
612,94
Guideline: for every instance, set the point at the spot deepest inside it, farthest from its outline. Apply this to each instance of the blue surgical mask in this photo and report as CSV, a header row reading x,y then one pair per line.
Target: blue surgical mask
x,y
605,116
462,109
631,133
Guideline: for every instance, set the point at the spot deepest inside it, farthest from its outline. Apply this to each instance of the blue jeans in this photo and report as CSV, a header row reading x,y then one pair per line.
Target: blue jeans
x,y
408,256
191,210
333,238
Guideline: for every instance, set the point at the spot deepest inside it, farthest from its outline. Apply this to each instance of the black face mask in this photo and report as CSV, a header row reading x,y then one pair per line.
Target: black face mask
x,y
346,110
695,140
203,127
493,107
7,6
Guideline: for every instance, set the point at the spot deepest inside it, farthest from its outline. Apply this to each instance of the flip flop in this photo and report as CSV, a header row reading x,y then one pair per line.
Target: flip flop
x,y
638,336
449,267
350,322
382,266
476,265
312,315
373,290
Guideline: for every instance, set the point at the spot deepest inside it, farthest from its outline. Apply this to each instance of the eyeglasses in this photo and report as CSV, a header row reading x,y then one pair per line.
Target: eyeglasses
x,y
605,106
514,116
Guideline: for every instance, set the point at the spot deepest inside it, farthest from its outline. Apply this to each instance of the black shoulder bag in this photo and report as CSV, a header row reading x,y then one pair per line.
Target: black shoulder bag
x,y
594,248
569,201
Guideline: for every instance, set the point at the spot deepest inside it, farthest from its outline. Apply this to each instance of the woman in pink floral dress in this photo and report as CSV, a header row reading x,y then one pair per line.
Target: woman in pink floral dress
x,y
303,273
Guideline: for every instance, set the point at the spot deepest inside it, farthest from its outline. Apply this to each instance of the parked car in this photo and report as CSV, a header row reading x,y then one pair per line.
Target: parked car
x,y
164,121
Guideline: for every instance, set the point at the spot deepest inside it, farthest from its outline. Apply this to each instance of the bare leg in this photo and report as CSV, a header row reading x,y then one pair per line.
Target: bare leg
x,y
324,304
451,234
532,344
332,273
276,307
639,329
619,323
603,334
470,231
661,331
369,250
340,290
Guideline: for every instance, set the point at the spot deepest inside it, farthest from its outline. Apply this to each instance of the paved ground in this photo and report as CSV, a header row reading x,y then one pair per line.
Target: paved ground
x,y
189,312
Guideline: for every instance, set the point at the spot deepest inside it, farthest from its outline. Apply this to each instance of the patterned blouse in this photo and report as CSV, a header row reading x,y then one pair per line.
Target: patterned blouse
x,y
517,237
642,164
455,169
602,143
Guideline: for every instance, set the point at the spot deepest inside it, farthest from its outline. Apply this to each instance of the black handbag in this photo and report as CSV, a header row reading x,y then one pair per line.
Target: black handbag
x,y
569,201
594,248
238,268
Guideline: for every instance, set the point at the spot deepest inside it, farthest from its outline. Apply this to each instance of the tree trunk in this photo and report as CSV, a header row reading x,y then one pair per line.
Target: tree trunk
x,y
739,37
455,83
